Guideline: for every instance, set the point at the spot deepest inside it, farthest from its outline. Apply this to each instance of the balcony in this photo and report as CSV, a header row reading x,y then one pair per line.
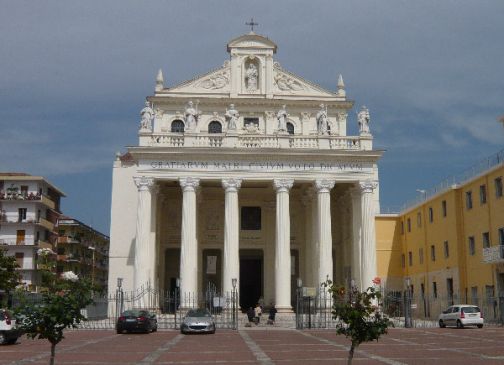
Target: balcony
x,y
46,224
68,239
493,255
252,140
41,221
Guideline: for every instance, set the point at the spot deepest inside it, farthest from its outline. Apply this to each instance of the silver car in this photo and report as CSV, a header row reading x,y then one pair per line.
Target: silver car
x,y
461,315
197,321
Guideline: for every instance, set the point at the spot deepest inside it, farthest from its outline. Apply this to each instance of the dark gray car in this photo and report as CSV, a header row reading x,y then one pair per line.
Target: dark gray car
x,y
197,321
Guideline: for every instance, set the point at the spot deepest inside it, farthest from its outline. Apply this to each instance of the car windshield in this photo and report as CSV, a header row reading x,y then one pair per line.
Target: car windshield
x,y
470,310
198,313
134,313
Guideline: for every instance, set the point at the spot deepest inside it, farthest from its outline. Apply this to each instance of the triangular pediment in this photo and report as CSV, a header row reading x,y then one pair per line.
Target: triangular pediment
x,y
286,83
251,40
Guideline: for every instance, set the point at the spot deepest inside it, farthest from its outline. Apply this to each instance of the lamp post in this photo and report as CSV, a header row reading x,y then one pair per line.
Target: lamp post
x,y
175,303
233,303
119,297
299,303
407,307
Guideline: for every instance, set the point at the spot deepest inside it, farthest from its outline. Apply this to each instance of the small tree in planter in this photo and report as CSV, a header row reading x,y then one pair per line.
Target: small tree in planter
x,y
60,308
358,314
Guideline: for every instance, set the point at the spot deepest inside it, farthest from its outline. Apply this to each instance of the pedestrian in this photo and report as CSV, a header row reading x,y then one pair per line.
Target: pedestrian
x,y
250,316
257,312
272,314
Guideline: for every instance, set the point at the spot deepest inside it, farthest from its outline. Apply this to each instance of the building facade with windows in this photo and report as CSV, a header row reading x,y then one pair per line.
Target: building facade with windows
x,y
450,245
245,173
29,209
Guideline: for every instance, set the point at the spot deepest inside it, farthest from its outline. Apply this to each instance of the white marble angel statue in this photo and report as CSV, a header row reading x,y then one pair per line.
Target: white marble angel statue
x,y
322,120
251,77
363,120
146,114
232,116
282,119
191,115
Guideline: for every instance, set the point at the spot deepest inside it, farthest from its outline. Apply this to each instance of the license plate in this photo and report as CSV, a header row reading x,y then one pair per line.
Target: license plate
x,y
472,315
130,320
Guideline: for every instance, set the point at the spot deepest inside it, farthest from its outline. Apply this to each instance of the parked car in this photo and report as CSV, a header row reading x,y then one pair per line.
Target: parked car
x,y
461,315
8,331
198,321
136,320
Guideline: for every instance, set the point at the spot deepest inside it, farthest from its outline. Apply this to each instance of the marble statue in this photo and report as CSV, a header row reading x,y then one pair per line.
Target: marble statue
x,y
282,119
363,120
232,116
322,120
191,115
147,113
251,77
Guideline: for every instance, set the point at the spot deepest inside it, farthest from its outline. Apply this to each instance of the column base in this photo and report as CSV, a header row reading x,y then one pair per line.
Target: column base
x,y
287,309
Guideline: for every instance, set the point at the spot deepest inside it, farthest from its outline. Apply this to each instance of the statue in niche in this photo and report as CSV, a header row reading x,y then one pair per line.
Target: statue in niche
x,y
363,120
232,116
251,77
146,114
282,119
191,115
322,120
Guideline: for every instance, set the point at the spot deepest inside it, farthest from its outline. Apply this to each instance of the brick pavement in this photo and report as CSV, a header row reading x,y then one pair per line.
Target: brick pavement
x,y
265,346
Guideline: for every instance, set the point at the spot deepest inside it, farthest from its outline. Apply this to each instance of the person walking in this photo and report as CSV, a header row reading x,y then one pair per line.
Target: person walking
x,y
258,313
272,314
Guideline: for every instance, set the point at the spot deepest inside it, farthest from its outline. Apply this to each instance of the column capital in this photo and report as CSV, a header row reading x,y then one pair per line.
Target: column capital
x,y
283,185
189,183
231,185
143,183
324,186
367,186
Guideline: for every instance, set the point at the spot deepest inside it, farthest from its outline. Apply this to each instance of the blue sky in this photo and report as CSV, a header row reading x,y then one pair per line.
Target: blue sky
x,y
74,75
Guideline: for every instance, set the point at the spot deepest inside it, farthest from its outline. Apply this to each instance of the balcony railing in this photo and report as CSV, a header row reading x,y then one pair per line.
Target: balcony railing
x,y
248,140
494,254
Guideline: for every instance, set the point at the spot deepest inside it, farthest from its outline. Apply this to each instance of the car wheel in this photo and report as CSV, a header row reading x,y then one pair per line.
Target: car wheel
x,y
459,324
441,324
480,326
119,332
2,338
154,329
12,341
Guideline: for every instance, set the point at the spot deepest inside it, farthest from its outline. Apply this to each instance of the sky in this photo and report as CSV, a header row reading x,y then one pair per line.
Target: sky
x,y
74,76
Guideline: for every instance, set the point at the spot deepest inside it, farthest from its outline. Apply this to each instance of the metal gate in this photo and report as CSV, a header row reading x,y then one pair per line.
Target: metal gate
x,y
314,308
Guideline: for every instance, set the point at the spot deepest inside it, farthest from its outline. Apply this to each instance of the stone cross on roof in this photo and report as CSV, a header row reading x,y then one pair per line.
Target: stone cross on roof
x,y
251,23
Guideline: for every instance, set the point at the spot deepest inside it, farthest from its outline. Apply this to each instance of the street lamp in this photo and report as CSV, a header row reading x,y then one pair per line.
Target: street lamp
x,y
407,307
119,297
234,281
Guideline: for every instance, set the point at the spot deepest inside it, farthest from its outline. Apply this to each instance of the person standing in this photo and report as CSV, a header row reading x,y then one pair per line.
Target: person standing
x,y
258,313
272,314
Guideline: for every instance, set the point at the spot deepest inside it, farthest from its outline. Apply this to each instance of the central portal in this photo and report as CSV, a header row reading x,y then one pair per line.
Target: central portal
x,y
251,278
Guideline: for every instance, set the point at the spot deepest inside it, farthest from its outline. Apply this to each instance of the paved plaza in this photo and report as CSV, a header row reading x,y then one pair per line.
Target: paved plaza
x,y
264,346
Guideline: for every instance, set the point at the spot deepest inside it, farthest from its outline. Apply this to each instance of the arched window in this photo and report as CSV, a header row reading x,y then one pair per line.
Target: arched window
x,y
215,127
290,128
177,126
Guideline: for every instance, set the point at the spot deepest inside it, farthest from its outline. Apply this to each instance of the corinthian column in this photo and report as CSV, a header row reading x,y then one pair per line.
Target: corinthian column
x,y
356,234
324,233
231,234
144,246
368,253
282,246
189,244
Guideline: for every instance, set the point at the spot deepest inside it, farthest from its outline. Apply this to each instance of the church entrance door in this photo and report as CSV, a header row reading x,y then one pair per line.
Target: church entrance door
x,y
251,277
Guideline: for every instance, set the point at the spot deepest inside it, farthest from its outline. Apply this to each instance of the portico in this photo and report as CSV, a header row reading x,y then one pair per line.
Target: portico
x,y
261,185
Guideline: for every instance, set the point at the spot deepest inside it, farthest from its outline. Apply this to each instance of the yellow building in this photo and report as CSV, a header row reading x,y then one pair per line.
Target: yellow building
x,y
449,245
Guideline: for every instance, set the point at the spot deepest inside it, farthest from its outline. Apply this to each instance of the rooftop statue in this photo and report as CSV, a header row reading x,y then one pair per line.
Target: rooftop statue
x,y
232,116
363,120
147,115
191,115
282,119
251,77
322,120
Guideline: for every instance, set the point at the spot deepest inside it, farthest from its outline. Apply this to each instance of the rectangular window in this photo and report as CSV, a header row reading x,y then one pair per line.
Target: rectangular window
x,y
443,205
434,289
408,222
482,194
420,255
403,261
486,240
22,214
20,259
410,258
251,218
422,289
474,295
468,199
446,250
501,236
433,253
251,121
472,246
20,237
402,227
24,190
498,187
489,292
419,219
431,215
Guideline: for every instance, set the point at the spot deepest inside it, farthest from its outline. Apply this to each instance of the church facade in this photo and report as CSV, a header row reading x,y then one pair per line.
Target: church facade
x,y
245,178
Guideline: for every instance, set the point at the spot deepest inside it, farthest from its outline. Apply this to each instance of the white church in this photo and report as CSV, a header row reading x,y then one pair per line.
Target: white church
x,y
245,179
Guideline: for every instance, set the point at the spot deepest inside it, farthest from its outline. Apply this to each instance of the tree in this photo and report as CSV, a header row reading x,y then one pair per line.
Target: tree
x,y
60,308
358,314
9,277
